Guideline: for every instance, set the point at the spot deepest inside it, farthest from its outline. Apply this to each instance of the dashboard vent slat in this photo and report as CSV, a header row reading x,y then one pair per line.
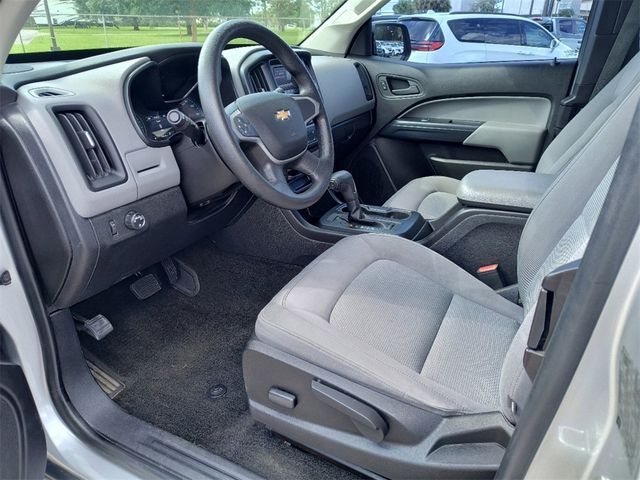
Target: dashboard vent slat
x,y
258,80
98,159
44,92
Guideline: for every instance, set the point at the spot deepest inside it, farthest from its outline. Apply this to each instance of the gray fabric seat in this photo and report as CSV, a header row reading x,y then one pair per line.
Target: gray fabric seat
x,y
435,196
398,317
387,312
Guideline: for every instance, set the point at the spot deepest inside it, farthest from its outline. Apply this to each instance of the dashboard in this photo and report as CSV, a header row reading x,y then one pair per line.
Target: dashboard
x,y
136,162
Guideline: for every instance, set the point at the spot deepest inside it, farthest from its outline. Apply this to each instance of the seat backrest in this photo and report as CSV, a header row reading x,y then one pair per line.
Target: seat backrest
x,y
589,120
559,227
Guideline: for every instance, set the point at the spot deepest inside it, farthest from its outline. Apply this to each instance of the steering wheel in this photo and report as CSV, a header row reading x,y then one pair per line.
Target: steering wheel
x,y
261,136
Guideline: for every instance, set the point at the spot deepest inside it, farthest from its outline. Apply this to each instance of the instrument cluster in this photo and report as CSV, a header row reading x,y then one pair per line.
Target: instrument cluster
x,y
155,126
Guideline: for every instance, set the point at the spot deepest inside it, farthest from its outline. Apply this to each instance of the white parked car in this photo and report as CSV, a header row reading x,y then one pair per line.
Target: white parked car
x,y
568,30
478,37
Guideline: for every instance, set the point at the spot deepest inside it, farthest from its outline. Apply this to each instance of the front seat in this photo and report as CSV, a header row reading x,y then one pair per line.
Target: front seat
x,y
379,315
435,196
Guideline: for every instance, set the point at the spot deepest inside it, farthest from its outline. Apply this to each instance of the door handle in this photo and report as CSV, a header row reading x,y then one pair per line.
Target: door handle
x,y
410,90
394,86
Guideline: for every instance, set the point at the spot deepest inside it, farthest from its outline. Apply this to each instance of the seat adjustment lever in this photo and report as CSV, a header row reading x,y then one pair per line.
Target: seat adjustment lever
x,y
368,422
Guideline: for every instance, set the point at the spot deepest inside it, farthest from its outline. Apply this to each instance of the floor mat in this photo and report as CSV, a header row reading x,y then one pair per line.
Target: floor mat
x,y
171,350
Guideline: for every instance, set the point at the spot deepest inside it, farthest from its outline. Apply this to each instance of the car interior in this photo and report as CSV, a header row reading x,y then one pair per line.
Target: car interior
x,y
287,263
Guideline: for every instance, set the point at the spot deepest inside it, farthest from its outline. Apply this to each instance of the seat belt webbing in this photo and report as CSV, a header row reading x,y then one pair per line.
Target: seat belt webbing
x,y
618,53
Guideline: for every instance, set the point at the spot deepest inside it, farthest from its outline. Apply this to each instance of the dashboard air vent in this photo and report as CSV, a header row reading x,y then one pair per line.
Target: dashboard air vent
x,y
365,80
258,80
93,147
49,92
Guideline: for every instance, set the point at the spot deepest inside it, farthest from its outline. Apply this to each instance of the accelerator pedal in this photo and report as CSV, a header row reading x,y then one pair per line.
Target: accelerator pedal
x,y
97,327
181,277
145,287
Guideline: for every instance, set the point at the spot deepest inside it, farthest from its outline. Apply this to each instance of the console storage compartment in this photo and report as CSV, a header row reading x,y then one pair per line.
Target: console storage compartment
x,y
503,190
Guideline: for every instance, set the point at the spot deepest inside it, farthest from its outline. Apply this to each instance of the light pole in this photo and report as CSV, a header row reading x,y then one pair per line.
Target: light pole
x,y
52,33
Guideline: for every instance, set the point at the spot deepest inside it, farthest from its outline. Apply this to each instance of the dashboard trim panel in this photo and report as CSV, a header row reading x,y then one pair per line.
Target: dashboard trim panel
x,y
103,90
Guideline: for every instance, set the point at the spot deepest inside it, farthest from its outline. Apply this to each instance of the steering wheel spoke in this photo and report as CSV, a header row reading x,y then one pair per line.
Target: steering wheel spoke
x,y
274,174
308,163
309,106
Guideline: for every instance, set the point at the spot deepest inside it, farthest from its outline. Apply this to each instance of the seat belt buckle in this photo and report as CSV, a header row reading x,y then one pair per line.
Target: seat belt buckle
x,y
490,275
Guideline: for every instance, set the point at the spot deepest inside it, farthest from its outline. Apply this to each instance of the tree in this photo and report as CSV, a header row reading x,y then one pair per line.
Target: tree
x,y
435,5
133,8
188,8
404,7
324,8
484,6
566,12
284,10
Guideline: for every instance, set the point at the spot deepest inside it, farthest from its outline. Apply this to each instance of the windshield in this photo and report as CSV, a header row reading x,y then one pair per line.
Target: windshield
x,y
65,25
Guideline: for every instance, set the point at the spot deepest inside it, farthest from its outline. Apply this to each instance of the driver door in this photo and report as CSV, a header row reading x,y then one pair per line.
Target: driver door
x,y
24,449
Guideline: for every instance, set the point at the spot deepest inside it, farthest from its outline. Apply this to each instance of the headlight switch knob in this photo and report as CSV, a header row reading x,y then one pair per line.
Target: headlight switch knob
x,y
135,220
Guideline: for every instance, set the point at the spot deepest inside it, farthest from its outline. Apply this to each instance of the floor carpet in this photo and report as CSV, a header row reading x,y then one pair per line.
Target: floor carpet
x,y
170,350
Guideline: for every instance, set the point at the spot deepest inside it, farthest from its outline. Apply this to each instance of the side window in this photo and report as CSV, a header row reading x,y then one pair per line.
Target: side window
x,y
565,26
468,30
502,32
536,36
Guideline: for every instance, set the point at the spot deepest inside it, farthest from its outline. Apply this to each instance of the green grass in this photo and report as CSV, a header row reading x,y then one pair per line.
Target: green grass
x,y
70,38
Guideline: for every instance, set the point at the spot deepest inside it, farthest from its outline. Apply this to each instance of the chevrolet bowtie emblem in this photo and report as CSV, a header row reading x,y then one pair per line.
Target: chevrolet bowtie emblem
x,y
283,115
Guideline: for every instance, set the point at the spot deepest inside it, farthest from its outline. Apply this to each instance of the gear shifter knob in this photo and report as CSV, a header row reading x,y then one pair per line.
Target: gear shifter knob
x,y
342,183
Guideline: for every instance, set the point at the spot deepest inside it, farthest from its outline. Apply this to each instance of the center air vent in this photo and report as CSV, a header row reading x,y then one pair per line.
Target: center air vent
x,y
96,154
258,80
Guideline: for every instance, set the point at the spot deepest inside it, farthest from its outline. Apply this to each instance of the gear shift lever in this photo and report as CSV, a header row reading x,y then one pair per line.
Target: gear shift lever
x,y
343,184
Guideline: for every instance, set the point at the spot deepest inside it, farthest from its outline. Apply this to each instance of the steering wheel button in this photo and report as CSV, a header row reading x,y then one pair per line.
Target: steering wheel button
x,y
244,127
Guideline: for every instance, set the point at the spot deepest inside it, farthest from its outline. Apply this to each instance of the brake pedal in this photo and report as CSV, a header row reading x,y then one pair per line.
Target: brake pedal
x,y
181,277
145,287
97,327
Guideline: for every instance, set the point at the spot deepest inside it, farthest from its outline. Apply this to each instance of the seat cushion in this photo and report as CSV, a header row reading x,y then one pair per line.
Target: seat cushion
x,y
398,317
431,197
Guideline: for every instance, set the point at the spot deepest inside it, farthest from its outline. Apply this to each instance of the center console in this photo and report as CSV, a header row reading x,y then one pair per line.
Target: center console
x,y
482,230
351,217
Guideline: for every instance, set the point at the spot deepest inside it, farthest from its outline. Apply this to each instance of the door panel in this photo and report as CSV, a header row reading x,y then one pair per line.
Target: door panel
x,y
465,117
519,143
515,126
24,450
527,110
